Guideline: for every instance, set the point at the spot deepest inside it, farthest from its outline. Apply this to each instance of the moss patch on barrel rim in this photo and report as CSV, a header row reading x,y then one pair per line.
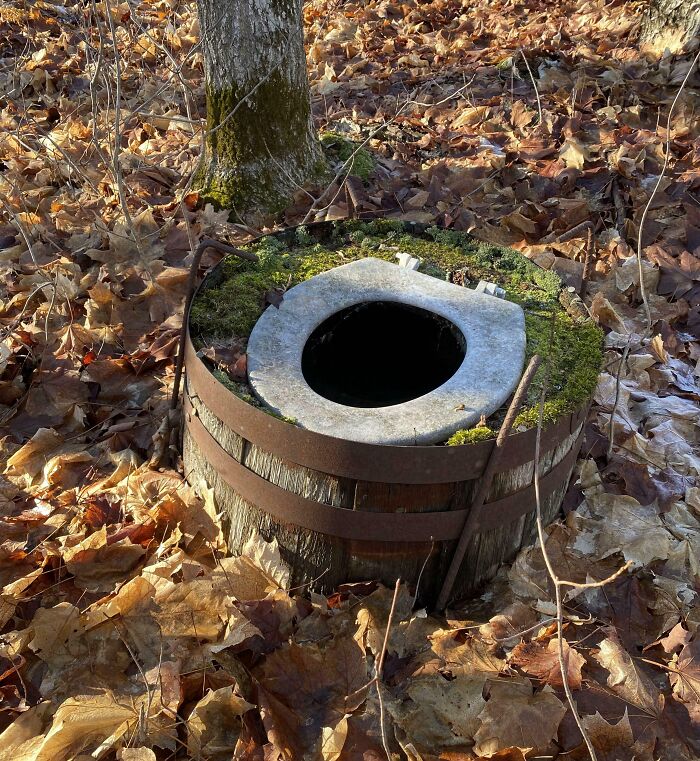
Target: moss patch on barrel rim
x,y
233,298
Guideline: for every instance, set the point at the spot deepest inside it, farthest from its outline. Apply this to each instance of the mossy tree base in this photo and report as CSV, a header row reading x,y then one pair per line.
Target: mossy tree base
x,y
262,151
260,145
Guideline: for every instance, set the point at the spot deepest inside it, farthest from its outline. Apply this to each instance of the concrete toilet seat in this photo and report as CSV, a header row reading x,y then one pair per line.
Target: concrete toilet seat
x,y
493,331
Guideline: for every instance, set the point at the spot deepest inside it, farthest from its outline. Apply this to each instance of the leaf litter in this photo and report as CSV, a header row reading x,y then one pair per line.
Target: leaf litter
x,y
127,632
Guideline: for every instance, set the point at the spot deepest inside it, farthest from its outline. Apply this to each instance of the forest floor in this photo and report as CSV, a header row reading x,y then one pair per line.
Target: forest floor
x,y
126,631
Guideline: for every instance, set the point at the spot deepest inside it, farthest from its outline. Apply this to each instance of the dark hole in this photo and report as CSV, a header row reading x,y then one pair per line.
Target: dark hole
x,y
380,353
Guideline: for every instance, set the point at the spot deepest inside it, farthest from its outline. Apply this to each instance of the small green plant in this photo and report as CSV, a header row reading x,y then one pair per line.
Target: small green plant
x,y
341,149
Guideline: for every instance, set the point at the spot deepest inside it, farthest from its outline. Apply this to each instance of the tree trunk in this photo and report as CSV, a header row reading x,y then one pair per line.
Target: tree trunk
x,y
261,144
671,24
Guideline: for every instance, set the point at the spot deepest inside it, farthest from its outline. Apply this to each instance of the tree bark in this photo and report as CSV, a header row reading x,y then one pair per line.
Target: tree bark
x,y
261,144
671,24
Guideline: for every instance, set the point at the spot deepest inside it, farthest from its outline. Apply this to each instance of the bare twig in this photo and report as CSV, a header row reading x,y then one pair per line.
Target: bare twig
x,y
117,132
5,201
588,263
559,583
534,84
380,666
619,204
471,525
422,570
642,287
618,381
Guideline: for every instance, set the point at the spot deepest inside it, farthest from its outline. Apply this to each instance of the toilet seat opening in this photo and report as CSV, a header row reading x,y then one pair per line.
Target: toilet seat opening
x,y
381,353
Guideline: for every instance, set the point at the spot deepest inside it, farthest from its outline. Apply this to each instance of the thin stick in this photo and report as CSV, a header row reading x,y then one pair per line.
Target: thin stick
x,y
587,263
116,166
589,257
380,666
563,666
642,288
471,525
534,84
618,381
640,269
559,583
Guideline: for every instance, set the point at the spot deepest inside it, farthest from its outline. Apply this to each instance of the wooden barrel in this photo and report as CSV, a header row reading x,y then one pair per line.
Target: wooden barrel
x,y
347,511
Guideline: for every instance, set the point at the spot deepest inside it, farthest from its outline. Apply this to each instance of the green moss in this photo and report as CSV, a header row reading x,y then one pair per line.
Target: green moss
x,y
230,304
471,436
233,307
572,355
242,391
340,149
233,299
572,363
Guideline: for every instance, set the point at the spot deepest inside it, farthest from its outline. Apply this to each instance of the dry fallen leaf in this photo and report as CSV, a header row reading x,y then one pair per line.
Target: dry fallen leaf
x,y
304,689
609,740
514,717
543,662
626,678
214,726
333,739
685,676
441,713
136,754
573,153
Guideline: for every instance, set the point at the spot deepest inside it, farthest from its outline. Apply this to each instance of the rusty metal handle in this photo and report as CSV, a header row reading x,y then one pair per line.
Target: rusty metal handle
x,y
204,244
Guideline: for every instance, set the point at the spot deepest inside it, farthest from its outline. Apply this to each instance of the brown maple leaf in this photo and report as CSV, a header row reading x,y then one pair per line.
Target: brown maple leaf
x,y
543,662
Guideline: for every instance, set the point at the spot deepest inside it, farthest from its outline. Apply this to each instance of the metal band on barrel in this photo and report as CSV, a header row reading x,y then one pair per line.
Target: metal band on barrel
x,y
358,525
357,460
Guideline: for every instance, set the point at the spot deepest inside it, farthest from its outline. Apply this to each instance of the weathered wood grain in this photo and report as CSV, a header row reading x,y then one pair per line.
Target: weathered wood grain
x,y
320,562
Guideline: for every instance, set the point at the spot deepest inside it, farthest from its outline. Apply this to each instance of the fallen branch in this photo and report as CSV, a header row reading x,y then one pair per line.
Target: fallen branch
x,y
471,525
